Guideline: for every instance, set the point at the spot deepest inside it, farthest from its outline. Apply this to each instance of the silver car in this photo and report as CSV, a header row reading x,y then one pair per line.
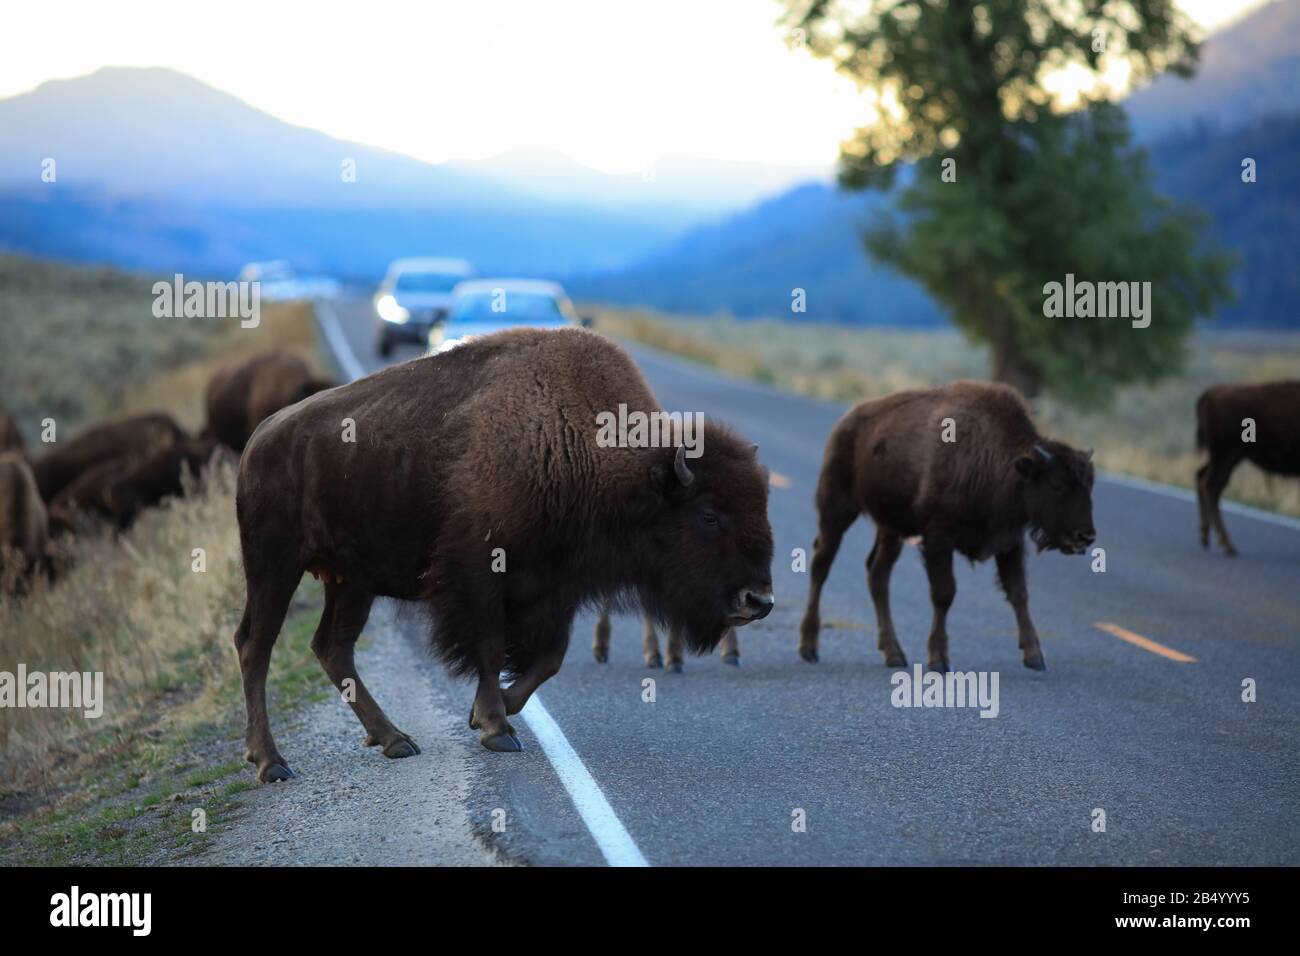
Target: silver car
x,y
484,306
414,296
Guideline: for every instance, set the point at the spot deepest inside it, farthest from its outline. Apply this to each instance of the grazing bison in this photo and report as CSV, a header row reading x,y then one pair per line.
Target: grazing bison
x,y
135,437
1224,415
23,521
976,494
11,437
120,488
476,480
241,396
728,647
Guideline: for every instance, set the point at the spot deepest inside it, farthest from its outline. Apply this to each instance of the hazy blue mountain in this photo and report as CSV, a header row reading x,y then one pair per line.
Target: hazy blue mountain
x,y
1247,71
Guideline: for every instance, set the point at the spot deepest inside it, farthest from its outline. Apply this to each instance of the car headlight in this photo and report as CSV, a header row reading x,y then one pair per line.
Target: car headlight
x,y
390,311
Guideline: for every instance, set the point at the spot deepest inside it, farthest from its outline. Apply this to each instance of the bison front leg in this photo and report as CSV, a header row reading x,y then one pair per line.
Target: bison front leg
x,y
552,641
1011,574
943,588
650,645
488,715
676,661
730,647
600,642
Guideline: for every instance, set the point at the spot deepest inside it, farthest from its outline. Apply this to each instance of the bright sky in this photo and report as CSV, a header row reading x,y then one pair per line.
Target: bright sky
x,y
612,83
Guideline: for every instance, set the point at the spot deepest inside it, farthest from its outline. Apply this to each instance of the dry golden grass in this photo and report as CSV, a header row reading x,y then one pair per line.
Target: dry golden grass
x,y
130,606
1148,431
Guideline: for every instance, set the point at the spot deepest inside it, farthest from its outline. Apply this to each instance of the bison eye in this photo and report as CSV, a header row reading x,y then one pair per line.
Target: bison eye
x,y
709,519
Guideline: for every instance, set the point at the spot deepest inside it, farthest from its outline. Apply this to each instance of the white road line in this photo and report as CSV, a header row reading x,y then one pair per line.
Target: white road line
x,y
338,342
615,843
1172,491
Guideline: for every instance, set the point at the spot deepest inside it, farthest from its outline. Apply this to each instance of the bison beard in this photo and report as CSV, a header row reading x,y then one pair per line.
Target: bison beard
x,y
475,484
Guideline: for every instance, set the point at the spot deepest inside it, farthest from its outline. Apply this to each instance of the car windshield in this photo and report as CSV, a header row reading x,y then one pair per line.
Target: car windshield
x,y
426,282
506,306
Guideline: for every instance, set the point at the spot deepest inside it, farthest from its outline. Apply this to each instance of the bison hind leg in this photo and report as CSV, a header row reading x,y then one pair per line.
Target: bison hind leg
x,y
268,602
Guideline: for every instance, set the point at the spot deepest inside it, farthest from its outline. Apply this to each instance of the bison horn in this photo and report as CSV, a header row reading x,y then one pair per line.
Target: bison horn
x,y
684,475
1089,455
753,450
1043,453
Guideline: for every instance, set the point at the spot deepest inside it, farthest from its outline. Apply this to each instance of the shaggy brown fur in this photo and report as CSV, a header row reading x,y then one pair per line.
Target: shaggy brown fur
x,y
977,495
1221,414
135,437
117,490
476,482
23,521
241,396
728,647
11,437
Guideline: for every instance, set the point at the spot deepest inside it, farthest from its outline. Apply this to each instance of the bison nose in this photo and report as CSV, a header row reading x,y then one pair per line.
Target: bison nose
x,y
756,604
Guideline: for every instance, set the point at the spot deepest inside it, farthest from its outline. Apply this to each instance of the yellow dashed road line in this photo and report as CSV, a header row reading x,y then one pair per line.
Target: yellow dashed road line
x,y
1145,643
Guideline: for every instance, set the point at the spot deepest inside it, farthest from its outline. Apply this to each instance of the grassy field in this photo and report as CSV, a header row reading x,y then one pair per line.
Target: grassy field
x,y
1148,431
117,788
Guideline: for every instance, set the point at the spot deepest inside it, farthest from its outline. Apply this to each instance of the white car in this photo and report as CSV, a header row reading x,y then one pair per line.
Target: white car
x,y
414,296
484,306
277,282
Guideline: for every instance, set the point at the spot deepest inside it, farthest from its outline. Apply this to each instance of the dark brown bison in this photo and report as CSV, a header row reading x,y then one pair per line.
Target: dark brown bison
x,y
241,396
1235,423
23,520
138,436
117,490
11,436
477,480
728,647
976,494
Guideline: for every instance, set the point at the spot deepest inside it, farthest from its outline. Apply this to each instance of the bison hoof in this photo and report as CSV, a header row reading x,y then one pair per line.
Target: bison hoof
x,y
732,659
402,746
1230,552
654,661
1036,663
602,657
895,659
501,743
809,654
275,773
675,667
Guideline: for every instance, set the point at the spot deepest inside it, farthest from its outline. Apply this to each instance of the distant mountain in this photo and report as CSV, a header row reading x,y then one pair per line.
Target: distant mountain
x,y
1244,103
751,263
1247,71
707,187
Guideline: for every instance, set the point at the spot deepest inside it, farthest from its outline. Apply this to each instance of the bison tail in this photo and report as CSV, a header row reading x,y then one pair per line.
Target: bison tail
x,y
1202,426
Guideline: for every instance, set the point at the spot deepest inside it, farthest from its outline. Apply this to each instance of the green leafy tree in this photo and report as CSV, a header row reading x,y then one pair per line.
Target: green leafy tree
x,y
1007,193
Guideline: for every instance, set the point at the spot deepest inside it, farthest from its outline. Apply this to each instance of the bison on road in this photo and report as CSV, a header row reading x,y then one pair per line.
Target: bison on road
x,y
964,468
241,396
478,481
137,436
728,647
23,521
1236,423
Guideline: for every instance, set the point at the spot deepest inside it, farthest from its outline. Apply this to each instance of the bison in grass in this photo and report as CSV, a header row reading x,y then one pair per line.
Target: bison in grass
x,y
137,436
1222,415
117,490
23,521
475,480
729,647
976,494
241,396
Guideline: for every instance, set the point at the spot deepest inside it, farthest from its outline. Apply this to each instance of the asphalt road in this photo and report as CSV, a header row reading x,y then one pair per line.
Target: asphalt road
x,y
717,769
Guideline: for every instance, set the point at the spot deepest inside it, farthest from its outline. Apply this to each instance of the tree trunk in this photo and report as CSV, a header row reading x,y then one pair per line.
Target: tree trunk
x,y
1009,366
